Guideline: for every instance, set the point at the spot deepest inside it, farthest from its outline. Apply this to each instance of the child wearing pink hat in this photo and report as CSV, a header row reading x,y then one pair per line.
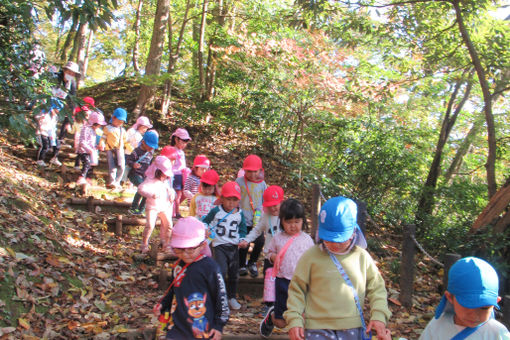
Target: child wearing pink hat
x,y
87,151
199,308
135,133
160,198
228,225
179,140
200,165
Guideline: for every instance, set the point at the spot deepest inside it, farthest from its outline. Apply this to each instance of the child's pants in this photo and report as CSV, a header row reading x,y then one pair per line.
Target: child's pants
x,y
328,334
116,170
86,170
138,201
166,226
227,257
281,287
44,142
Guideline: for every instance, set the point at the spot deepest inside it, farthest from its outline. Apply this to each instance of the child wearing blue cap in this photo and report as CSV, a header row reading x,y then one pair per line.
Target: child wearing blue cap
x,y
114,141
138,162
466,309
332,279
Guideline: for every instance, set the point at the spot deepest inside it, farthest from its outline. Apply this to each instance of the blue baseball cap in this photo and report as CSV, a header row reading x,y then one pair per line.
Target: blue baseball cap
x,y
120,114
337,219
473,282
151,138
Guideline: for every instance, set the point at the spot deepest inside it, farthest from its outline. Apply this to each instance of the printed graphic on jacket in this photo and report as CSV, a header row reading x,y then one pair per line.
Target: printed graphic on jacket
x,y
196,310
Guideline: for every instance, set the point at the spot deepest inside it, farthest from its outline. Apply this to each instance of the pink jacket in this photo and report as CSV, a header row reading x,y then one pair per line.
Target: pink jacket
x,y
159,194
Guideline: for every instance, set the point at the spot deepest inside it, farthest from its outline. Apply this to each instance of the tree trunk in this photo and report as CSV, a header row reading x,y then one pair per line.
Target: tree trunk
x,y
426,202
87,52
211,57
497,205
67,42
153,65
490,166
136,28
200,54
173,56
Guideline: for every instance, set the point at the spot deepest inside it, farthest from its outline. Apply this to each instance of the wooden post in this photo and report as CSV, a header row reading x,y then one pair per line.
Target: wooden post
x,y
316,207
449,260
163,279
118,226
407,266
90,204
506,310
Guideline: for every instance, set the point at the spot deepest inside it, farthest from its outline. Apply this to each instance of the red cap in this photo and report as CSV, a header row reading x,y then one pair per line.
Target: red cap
x,y
273,195
89,100
231,189
169,152
201,161
252,163
210,177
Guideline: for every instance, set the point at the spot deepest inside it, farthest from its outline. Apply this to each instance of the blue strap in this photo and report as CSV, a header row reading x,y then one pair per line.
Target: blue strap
x,y
211,228
143,157
354,292
466,332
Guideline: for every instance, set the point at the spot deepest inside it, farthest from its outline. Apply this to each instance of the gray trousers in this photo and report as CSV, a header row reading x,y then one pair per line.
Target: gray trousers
x,y
115,167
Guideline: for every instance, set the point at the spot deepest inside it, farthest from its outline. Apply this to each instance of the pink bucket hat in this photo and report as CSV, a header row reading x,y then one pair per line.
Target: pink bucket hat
x,y
165,165
182,134
96,118
143,121
188,232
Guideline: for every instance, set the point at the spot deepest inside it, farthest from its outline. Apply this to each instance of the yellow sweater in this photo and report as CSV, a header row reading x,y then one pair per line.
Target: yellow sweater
x,y
112,137
319,298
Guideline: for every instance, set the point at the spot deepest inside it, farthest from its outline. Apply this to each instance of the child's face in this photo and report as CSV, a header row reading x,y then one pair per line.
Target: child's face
x,y
117,122
273,210
229,203
468,317
252,176
145,147
292,226
338,247
180,143
142,129
199,171
187,255
207,189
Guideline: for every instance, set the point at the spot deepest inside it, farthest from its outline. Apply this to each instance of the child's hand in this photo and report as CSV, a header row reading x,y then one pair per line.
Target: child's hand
x,y
380,329
156,309
297,333
215,334
136,166
243,244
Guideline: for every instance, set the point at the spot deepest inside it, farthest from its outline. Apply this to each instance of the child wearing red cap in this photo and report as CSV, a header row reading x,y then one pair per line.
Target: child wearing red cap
x,y
160,197
180,139
229,226
200,165
268,225
252,188
203,201
196,298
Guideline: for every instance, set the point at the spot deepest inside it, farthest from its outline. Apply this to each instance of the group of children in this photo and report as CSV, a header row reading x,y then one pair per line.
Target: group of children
x,y
316,290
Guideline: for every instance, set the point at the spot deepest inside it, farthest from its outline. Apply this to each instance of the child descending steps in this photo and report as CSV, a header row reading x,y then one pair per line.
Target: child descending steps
x,y
229,226
200,165
86,149
137,162
46,125
180,139
284,251
160,198
196,300
203,201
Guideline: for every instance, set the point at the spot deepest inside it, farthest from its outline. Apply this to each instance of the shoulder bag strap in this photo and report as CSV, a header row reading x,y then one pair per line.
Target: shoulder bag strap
x,y
249,196
466,332
281,254
354,292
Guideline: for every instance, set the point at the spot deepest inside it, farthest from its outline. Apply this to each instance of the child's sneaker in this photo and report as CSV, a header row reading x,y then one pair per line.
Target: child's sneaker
x,y
243,271
55,161
135,211
252,268
41,163
234,304
267,325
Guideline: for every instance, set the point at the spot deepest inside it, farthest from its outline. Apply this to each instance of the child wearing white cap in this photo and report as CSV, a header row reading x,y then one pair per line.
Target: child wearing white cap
x,y
200,308
332,279
466,309
160,198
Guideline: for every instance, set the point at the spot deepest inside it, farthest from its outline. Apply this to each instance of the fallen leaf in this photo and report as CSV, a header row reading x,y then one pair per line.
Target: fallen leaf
x,y
395,301
24,323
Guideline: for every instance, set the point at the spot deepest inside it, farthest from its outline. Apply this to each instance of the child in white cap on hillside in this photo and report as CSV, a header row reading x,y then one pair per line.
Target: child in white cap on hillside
x,y
86,149
332,279
180,139
466,309
200,309
135,133
160,198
